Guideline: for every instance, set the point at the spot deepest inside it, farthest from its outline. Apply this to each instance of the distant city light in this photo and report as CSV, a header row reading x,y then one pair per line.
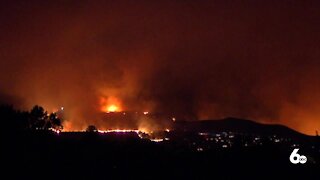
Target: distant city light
x,y
199,149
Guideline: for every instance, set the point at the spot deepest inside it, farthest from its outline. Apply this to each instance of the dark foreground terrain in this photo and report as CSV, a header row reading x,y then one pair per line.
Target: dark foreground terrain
x,y
82,155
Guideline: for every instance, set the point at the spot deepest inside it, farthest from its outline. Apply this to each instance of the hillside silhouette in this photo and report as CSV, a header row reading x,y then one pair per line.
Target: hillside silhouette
x,y
237,125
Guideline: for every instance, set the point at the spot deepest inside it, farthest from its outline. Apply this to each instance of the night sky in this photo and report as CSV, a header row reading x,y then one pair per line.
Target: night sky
x,y
189,59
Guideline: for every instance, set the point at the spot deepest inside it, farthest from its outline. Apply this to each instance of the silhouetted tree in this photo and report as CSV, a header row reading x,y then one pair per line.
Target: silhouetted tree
x,y
91,128
38,118
54,122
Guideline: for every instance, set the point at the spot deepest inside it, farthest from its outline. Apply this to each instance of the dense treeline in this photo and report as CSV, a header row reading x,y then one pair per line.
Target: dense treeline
x,y
35,119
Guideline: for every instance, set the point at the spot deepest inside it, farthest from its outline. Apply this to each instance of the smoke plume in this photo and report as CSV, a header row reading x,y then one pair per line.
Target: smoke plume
x,y
188,59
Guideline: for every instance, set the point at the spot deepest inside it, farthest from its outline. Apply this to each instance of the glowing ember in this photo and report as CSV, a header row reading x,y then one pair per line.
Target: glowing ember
x,y
55,130
142,134
146,112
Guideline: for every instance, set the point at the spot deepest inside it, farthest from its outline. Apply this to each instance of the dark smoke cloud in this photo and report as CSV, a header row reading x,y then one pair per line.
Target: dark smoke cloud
x,y
190,59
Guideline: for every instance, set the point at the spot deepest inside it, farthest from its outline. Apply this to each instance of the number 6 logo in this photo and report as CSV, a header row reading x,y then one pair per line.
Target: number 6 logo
x,y
295,158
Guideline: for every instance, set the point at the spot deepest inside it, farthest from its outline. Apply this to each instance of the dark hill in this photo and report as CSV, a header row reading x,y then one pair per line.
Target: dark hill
x,y
238,126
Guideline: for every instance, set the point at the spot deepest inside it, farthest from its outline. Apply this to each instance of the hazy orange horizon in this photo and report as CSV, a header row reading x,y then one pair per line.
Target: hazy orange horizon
x,y
193,60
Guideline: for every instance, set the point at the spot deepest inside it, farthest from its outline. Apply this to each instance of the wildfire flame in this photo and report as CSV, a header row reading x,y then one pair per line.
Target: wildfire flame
x,y
112,108
119,131
110,104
